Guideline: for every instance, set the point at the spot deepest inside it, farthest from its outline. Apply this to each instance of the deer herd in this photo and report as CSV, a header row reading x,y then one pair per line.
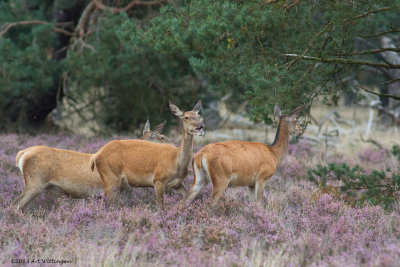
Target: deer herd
x,y
153,161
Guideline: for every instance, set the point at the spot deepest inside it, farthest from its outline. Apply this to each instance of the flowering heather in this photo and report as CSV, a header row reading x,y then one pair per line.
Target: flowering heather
x,y
291,228
373,156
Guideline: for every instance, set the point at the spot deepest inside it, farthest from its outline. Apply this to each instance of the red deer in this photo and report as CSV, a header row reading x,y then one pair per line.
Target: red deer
x,y
145,164
63,171
236,163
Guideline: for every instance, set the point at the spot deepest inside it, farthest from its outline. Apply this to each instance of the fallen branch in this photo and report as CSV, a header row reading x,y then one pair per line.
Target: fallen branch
x,y
371,141
388,112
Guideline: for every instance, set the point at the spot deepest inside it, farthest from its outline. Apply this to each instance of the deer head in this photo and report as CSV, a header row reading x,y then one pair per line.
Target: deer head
x,y
290,119
191,120
154,134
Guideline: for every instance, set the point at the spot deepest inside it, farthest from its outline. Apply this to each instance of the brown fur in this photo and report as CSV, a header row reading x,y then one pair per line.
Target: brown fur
x,y
237,163
145,164
59,171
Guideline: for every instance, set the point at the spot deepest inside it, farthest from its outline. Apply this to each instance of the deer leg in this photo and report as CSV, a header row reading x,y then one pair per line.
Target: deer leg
x,y
251,190
197,186
27,196
33,186
219,186
259,190
111,192
199,182
112,183
14,203
159,188
181,189
218,176
124,185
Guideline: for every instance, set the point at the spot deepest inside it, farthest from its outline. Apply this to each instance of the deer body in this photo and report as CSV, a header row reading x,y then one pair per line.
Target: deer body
x,y
237,163
143,164
62,171
58,170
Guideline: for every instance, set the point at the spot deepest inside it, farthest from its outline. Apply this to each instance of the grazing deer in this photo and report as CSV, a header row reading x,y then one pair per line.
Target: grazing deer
x,y
236,163
63,171
145,164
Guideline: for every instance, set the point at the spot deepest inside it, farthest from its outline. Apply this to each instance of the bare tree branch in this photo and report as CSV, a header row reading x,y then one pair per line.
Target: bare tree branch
x,y
99,5
391,81
80,27
8,26
378,94
344,61
311,42
388,112
372,51
363,15
379,34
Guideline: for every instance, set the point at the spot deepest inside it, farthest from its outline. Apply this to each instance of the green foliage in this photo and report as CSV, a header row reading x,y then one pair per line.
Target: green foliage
x,y
134,84
396,152
26,66
136,61
131,84
237,46
377,187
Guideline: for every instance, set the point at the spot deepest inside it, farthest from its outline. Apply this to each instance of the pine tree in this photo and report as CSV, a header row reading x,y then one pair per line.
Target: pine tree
x,y
268,52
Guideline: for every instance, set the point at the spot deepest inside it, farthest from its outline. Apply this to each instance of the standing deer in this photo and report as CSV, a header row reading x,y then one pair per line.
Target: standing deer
x,y
63,171
145,164
236,163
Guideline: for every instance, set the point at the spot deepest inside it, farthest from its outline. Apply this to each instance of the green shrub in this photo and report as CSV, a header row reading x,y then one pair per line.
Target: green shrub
x,y
377,187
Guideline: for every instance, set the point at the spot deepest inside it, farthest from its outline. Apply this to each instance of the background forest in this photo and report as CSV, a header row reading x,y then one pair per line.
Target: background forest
x,y
110,65
78,74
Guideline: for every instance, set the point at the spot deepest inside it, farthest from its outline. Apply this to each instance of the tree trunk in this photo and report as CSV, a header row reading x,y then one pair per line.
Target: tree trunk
x,y
392,88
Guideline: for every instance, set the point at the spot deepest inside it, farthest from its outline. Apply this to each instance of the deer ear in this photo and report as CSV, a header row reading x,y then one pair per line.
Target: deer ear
x,y
277,112
146,127
159,128
197,107
295,112
175,110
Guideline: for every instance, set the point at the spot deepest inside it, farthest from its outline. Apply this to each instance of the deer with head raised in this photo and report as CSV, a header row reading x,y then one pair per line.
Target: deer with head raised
x,y
64,171
236,163
145,164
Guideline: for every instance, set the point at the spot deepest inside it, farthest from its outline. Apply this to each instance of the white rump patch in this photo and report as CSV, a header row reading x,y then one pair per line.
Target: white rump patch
x,y
204,166
202,177
199,178
20,162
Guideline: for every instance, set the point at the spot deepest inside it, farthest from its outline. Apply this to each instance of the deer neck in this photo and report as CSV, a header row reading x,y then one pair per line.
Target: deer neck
x,y
185,152
282,137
